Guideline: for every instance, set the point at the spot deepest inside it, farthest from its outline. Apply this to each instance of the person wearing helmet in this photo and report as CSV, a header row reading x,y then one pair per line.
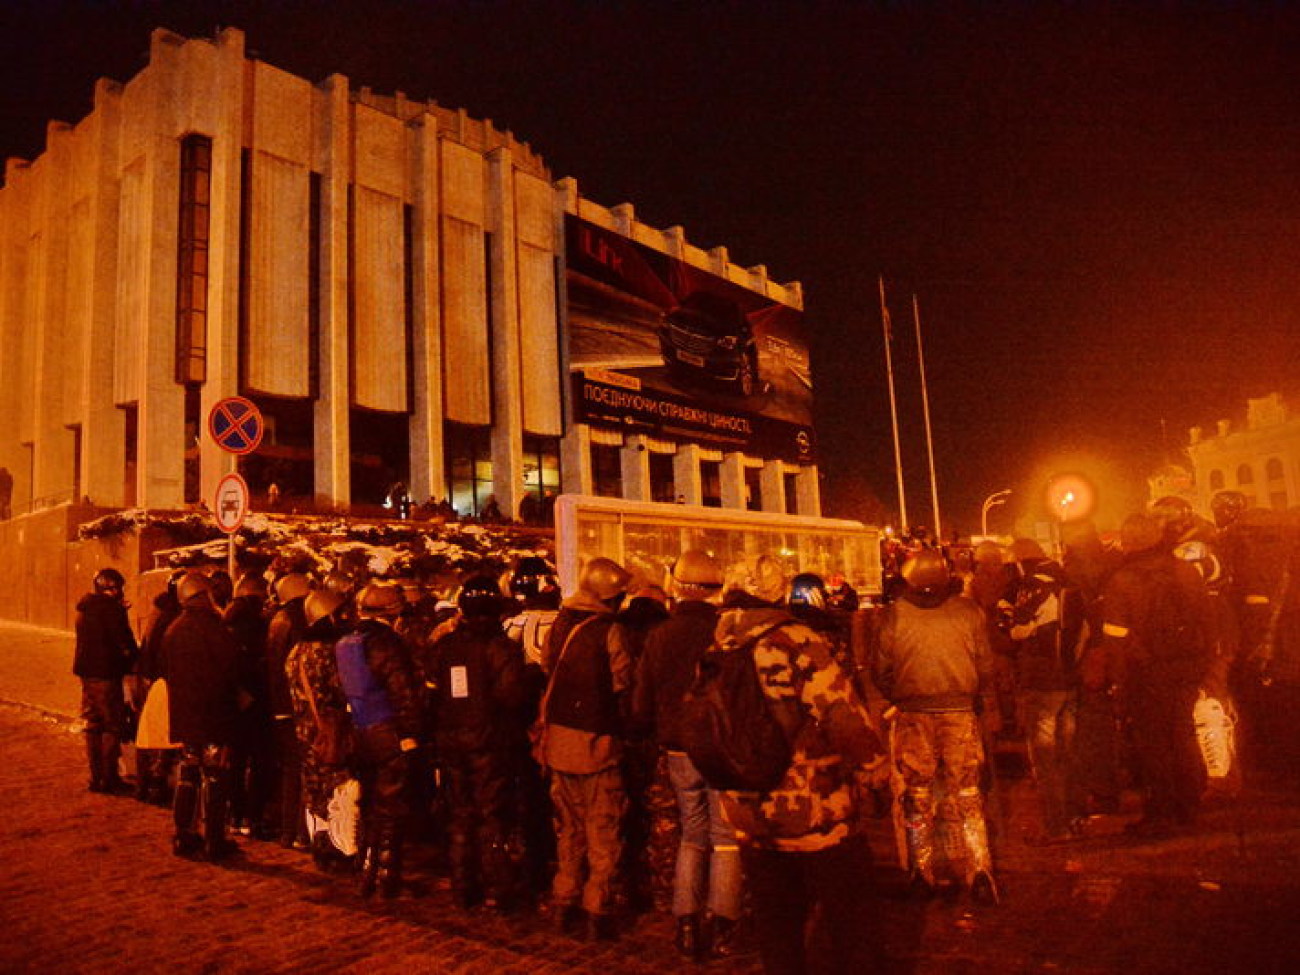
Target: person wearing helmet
x,y
801,844
810,602
105,653
535,591
933,663
478,688
327,789
707,878
201,664
385,698
288,625
1045,618
590,670
251,768
1157,632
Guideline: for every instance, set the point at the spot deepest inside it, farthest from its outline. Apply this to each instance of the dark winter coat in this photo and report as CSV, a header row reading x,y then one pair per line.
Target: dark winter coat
x,y
106,646
673,650
201,664
478,688
246,619
932,654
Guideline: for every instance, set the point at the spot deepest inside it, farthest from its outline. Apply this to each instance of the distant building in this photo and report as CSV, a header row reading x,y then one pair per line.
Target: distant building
x,y
406,294
1260,458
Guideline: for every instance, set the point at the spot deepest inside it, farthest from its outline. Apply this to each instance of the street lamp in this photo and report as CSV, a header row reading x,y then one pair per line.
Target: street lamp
x,y
993,500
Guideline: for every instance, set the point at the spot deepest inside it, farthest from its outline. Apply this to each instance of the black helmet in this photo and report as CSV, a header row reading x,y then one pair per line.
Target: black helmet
x,y
109,581
1227,507
480,597
808,590
321,603
193,586
927,571
532,577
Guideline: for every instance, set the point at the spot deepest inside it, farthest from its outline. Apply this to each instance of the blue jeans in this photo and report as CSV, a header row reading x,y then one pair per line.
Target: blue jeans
x,y
704,830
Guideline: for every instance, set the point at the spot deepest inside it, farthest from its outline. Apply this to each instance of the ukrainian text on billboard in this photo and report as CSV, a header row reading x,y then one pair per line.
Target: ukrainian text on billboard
x,y
661,346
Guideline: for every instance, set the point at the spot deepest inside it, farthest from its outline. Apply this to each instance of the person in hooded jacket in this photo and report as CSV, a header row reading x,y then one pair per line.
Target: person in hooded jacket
x,y
590,671
802,843
105,653
201,664
478,686
933,664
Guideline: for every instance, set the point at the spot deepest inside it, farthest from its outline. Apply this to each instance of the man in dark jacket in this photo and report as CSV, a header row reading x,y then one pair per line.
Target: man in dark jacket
x,y
201,665
708,872
478,684
105,653
590,670
1157,630
384,696
251,768
288,625
153,765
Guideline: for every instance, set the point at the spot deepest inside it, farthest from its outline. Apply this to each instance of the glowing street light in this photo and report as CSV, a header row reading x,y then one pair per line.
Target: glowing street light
x,y
994,499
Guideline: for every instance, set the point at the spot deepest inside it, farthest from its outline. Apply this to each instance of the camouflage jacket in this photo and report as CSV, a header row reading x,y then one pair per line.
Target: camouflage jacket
x,y
836,747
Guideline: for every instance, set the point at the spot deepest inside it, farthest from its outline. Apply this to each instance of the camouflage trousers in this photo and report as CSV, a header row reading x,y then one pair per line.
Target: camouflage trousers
x,y
589,812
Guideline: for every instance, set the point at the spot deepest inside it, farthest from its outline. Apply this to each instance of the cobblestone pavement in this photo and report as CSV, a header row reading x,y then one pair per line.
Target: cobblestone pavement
x,y
88,884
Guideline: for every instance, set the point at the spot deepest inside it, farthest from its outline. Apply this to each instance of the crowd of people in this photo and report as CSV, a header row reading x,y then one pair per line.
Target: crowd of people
x,y
519,733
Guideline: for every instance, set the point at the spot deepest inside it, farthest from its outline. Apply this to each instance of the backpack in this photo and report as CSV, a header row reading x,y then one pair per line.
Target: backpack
x,y
731,731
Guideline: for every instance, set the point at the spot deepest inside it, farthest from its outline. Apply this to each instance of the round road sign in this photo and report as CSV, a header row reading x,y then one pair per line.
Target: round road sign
x,y
230,506
236,425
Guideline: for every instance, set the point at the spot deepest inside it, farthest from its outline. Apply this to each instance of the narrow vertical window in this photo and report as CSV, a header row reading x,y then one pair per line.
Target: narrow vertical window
x,y
194,228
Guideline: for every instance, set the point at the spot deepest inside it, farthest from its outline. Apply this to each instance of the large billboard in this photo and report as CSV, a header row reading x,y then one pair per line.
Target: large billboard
x,y
661,347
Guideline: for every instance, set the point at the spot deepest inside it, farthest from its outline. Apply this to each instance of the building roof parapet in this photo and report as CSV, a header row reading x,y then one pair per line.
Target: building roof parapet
x,y
672,241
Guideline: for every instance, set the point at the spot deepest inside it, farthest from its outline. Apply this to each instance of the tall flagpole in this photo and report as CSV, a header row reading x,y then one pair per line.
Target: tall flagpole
x,y
893,406
925,403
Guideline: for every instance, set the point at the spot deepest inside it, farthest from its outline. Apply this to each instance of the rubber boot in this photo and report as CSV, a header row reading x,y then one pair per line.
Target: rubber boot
x,y
95,759
499,876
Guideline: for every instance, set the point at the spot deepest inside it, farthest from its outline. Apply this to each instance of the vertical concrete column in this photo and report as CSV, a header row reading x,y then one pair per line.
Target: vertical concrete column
x,y
223,251
687,477
333,441
575,460
772,484
807,492
507,356
52,472
103,424
634,465
733,480
428,471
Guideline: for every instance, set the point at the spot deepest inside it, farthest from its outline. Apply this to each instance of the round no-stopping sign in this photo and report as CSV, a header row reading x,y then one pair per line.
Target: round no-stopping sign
x,y
236,425
230,505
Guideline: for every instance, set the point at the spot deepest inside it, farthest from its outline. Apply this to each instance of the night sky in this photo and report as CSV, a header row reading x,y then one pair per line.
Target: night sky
x,y
1095,204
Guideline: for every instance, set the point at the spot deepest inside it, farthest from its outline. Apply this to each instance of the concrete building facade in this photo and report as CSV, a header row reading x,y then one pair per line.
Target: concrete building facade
x,y
1260,458
383,277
